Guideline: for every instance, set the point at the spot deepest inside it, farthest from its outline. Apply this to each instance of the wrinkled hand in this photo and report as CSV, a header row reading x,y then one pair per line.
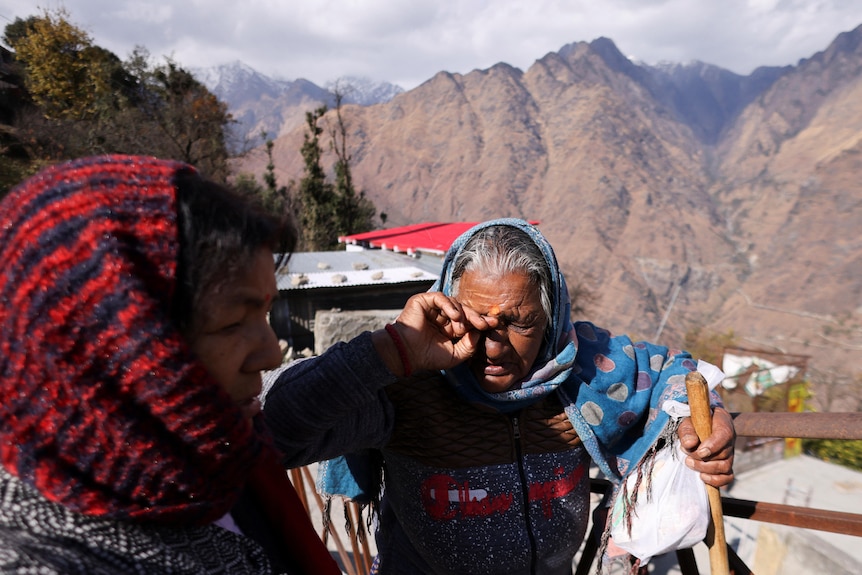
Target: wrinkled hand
x,y
437,331
714,457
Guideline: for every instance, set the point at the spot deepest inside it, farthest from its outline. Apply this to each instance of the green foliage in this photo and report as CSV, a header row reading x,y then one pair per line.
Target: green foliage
x,y
247,184
354,213
773,399
326,210
12,171
315,195
62,76
190,120
275,198
269,177
84,100
840,451
19,29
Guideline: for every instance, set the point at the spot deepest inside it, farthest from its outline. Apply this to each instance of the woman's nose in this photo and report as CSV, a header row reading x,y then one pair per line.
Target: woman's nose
x,y
267,353
496,342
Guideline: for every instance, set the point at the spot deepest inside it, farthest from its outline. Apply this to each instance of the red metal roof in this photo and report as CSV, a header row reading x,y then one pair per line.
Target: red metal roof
x,y
433,237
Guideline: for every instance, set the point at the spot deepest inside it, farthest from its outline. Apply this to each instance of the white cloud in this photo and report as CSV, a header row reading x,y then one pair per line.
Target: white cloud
x,y
144,12
408,42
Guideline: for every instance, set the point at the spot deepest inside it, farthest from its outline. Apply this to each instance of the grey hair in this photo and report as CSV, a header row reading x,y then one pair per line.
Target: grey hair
x,y
499,250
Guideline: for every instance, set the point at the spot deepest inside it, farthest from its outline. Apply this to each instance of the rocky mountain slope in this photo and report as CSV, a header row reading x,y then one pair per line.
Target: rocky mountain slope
x,y
689,193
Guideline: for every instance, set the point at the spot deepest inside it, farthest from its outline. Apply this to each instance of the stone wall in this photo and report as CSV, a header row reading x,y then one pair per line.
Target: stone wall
x,y
333,326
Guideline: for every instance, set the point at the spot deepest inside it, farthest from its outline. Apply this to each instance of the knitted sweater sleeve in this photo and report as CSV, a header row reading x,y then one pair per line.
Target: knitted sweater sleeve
x,y
330,405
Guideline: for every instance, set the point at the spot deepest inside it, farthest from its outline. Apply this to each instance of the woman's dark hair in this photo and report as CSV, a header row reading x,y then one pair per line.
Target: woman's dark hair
x,y
219,233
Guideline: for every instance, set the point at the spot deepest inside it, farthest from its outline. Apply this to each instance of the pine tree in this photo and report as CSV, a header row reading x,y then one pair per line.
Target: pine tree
x,y
276,199
327,210
315,196
354,213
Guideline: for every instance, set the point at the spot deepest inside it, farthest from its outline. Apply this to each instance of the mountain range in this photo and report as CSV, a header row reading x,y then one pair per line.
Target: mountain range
x,y
261,104
681,197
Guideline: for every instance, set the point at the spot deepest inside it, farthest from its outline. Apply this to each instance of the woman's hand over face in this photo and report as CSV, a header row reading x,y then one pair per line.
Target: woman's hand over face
x,y
438,332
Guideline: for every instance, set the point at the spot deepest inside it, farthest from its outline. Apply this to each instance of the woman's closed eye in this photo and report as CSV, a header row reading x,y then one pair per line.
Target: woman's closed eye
x,y
522,324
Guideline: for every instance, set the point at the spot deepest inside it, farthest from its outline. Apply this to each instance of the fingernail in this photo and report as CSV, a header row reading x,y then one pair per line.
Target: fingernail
x,y
703,453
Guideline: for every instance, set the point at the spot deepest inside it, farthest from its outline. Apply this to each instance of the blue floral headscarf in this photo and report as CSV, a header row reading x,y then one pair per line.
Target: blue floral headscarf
x,y
555,363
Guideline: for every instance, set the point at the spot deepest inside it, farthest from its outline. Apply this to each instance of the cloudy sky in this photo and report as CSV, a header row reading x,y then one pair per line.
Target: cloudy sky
x,y
408,41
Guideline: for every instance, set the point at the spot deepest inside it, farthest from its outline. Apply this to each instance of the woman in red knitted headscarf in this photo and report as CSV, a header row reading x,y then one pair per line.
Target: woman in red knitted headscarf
x,y
133,329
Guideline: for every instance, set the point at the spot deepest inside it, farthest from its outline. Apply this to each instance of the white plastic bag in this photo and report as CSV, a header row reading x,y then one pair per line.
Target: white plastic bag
x,y
671,509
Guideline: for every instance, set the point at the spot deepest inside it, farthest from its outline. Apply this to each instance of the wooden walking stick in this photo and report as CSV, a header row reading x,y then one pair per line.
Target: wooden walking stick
x,y
701,417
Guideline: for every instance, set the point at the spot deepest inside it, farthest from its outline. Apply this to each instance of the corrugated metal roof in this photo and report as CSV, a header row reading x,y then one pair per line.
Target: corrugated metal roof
x,y
309,270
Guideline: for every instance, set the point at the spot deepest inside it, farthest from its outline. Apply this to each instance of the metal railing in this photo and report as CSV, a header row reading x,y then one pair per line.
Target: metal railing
x,y
844,426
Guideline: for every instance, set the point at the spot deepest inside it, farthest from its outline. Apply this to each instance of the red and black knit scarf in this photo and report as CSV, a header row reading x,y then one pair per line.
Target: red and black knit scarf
x,y
102,407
